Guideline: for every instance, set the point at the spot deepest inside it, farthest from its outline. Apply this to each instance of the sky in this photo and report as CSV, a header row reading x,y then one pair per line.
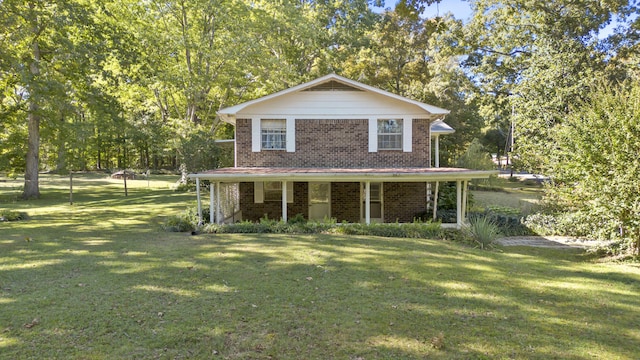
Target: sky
x,y
459,8
462,10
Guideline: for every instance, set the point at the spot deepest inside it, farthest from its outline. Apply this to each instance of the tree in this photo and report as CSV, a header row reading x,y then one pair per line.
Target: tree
x,y
532,59
48,46
595,163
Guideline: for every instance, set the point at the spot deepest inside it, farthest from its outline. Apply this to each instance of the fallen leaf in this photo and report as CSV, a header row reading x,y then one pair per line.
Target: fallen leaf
x,y
309,278
33,323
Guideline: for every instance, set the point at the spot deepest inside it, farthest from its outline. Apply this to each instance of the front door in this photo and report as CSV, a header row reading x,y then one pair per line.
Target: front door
x,y
319,200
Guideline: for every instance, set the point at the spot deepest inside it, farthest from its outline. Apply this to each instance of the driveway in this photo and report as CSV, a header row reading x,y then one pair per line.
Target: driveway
x,y
547,241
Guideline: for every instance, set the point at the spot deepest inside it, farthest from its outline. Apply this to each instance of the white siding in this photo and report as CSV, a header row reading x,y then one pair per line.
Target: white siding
x,y
373,135
331,104
256,144
291,134
407,134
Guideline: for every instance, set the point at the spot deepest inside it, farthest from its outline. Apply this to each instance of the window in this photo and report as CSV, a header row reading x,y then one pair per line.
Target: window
x,y
273,134
375,200
390,134
272,191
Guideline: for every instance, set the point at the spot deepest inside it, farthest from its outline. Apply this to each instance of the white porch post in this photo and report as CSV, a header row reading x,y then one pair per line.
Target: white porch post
x,y
211,202
437,140
367,202
199,203
465,190
435,201
284,201
219,215
458,204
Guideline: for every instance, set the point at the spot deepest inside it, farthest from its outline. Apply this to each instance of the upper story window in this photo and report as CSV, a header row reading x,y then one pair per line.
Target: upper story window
x,y
390,134
273,134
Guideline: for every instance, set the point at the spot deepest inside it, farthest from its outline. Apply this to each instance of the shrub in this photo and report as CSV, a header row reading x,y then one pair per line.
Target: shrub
x,y
8,215
181,223
483,231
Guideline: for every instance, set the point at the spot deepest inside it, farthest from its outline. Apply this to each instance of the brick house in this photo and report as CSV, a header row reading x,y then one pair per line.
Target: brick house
x,y
337,148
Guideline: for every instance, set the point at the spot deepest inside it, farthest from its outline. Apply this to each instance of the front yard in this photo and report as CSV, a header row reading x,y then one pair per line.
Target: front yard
x,y
101,280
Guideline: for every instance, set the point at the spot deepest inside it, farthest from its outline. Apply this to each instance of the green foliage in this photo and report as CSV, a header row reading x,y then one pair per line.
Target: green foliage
x,y
184,222
9,215
476,157
483,231
595,164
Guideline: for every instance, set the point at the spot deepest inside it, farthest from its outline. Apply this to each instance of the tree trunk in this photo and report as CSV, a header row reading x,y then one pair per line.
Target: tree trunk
x,y
31,181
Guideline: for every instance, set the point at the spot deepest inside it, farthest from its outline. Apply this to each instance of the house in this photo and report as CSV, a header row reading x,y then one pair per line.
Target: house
x,y
337,148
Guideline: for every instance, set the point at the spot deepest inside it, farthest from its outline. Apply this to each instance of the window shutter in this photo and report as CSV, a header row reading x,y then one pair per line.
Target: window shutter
x,y
407,128
373,135
290,192
291,135
258,192
256,143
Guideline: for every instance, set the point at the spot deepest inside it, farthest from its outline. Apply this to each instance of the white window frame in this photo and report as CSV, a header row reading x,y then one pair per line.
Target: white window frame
x,y
406,134
273,134
257,131
390,129
260,189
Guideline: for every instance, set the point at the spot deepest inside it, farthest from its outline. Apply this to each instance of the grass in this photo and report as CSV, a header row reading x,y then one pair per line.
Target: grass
x,y
100,280
518,195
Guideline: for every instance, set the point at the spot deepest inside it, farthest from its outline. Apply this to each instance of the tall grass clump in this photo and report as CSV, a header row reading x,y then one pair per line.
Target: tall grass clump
x,y
483,231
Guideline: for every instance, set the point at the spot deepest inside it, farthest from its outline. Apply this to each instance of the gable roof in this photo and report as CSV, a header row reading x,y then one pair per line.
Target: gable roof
x,y
327,82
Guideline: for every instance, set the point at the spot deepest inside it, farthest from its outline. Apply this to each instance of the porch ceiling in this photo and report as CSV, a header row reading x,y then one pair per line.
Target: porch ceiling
x,y
241,174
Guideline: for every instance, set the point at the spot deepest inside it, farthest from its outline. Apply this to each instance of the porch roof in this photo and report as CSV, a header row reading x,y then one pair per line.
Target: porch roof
x,y
240,174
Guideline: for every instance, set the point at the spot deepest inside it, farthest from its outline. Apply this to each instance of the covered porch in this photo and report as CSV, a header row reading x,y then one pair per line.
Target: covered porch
x,y
360,190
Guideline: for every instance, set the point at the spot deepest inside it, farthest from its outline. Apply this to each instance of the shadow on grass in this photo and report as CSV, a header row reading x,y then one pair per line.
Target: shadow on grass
x,y
96,281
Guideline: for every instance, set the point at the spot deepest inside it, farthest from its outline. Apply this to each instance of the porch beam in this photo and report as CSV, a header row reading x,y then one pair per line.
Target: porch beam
x,y
435,201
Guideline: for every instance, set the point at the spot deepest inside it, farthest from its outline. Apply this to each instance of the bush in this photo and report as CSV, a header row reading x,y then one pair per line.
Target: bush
x,y
185,222
8,215
483,231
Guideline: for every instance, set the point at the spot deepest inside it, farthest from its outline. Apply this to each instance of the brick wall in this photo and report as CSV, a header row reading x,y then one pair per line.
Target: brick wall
x,y
345,201
402,201
334,143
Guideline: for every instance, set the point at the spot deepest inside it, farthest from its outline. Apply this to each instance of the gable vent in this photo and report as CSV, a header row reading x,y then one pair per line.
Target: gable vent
x,y
332,86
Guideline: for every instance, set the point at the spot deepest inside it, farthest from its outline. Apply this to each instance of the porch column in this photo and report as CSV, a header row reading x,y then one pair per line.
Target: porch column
x,y
219,215
465,190
458,204
367,202
211,203
437,140
435,201
284,201
199,203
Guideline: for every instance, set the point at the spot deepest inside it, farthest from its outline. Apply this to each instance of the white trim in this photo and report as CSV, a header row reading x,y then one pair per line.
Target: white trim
x,y
284,200
437,145
199,201
291,134
213,206
258,192
459,219
219,214
373,134
367,202
256,131
228,114
407,134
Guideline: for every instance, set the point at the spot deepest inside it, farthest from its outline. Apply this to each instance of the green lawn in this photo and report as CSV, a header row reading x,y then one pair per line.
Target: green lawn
x,y
101,280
